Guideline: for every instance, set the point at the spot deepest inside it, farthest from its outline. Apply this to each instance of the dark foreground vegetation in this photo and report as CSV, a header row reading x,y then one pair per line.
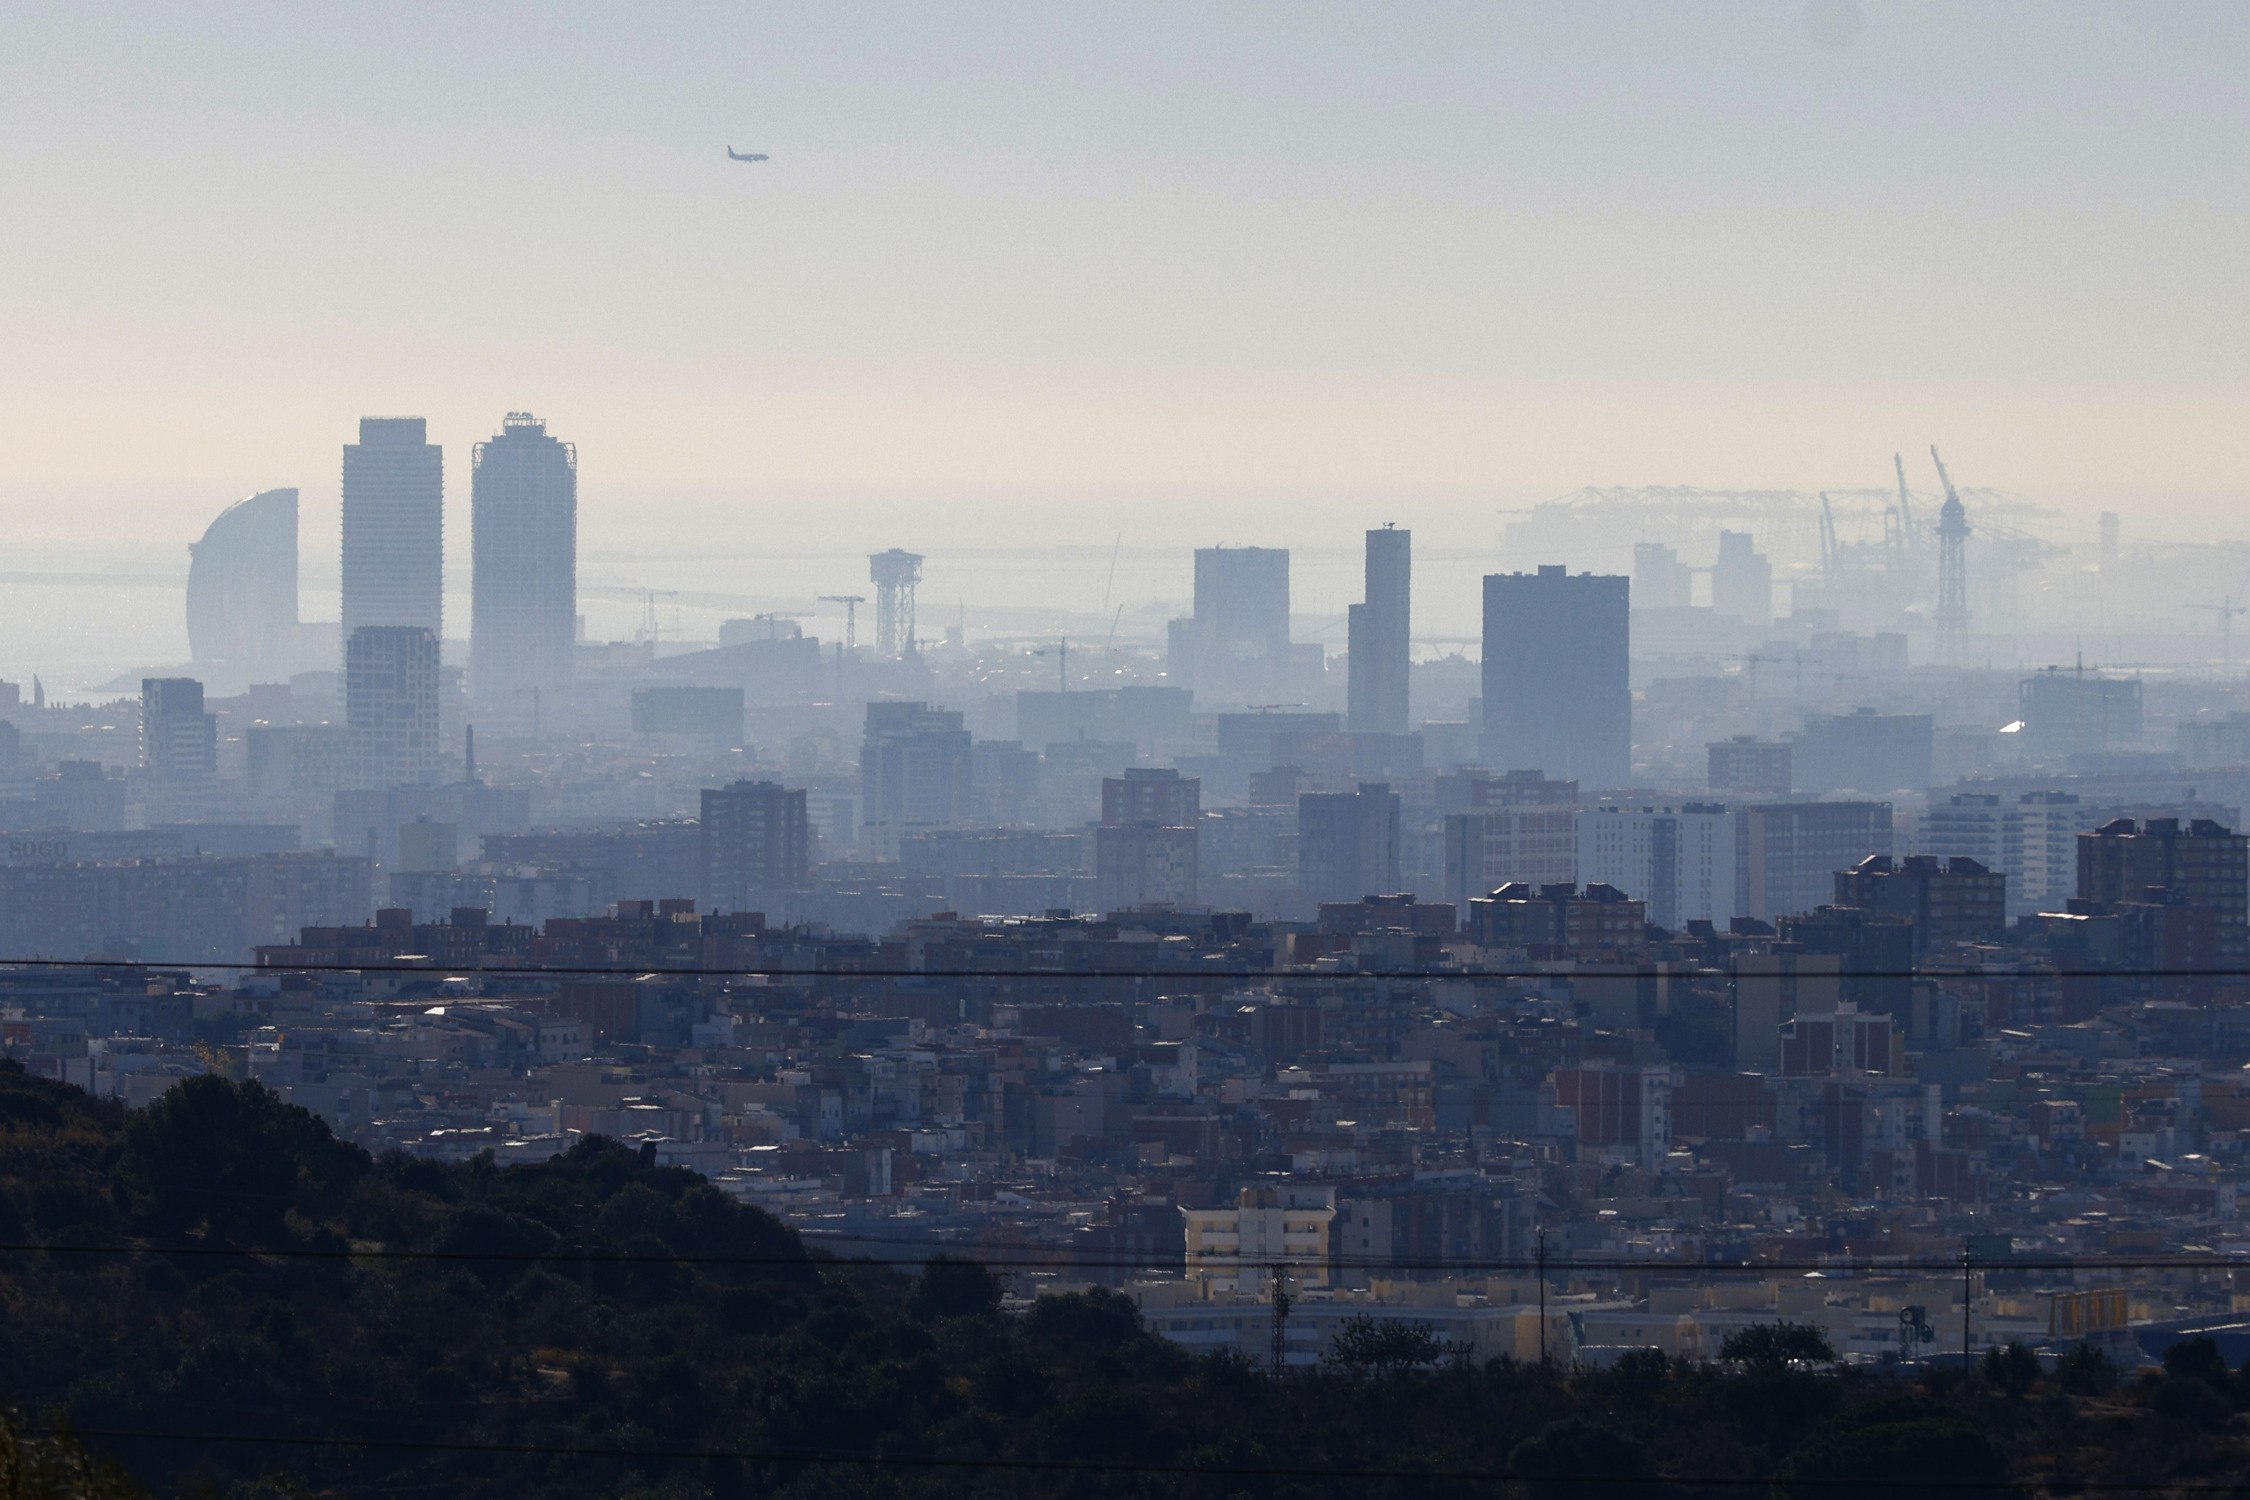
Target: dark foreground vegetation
x,y
300,1318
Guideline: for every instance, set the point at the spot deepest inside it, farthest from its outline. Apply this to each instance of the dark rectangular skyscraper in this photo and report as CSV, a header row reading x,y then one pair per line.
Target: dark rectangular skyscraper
x,y
1348,843
394,527
523,520
757,839
1557,690
1378,631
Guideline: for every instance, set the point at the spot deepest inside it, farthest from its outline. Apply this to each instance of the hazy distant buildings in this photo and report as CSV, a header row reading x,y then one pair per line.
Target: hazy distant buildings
x,y
1742,580
242,588
1557,693
1146,851
390,706
523,519
1236,644
394,528
712,714
756,839
179,741
2073,713
1660,579
1348,843
1678,860
1864,752
1750,766
914,771
1788,853
1378,632
1493,846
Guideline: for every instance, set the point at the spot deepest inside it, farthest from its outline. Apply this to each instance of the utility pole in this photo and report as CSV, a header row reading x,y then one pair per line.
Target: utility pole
x,y
1540,1261
1966,1263
1280,1315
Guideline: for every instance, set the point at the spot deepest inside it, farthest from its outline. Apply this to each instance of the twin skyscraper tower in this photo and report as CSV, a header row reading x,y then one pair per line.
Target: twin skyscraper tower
x,y
523,508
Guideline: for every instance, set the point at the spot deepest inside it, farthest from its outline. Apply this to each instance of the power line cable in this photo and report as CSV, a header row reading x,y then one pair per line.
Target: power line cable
x,y
2018,975
1105,1466
1065,1259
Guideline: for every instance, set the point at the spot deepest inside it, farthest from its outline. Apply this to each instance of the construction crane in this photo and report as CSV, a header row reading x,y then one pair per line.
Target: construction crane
x,y
648,631
851,603
2226,613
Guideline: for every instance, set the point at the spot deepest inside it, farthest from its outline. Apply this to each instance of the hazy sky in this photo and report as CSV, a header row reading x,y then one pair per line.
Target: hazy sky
x,y
1193,271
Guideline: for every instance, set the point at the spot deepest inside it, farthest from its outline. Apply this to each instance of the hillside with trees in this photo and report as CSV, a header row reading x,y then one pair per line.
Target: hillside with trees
x,y
219,1297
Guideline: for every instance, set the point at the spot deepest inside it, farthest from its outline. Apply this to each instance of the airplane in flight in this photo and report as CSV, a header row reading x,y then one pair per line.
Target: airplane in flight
x,y
734,155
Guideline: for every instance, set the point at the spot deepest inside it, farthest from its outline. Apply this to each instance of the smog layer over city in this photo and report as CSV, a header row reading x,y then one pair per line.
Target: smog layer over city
x,y
1265,749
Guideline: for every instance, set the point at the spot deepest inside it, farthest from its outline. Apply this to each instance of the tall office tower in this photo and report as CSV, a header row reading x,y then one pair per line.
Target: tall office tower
x,y
1660,579
390,707
1787,853
1378,633
1557,691
1348,843
1147,849
1238,640
914,771
1677,859
179,741
1742,580
523,526
242,587
757,839
394,527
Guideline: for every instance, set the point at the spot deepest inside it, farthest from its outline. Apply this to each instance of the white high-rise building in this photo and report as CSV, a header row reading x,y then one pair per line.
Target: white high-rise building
x,y
1678,859
523,523
394,527
2033,840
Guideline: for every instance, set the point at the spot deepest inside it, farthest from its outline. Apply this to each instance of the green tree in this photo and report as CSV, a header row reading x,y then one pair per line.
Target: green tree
x,y
2084,1370
1774,1345
2010,1368
950,1287
1384,1348
1580,1460
232,1157
2199,1359
56,1467
1896,1448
